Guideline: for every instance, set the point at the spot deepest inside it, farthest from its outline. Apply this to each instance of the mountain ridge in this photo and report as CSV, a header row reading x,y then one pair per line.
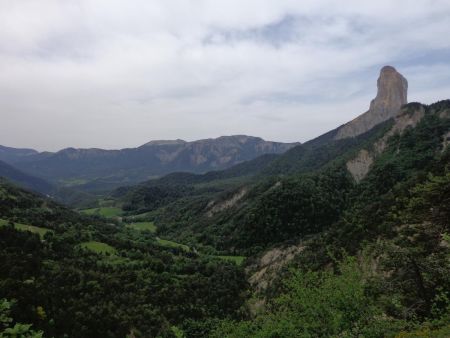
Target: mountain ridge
x,y
155,158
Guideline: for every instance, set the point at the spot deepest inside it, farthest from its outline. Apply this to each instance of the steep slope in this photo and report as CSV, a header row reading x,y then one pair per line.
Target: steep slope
x,y
392,94
24,180
211,191
118,167
379,270
271,205
154,193
302,158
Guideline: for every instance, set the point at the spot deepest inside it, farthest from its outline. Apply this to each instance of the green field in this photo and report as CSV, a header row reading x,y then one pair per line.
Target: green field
x,y
98,247
143,226
104,211
73,182
25,227
236,259
141,217
171,244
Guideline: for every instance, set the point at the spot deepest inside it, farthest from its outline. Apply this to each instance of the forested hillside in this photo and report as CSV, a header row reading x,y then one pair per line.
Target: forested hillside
x,y
367,216
301,192
135,204
382,268
26,181
334,238
73,275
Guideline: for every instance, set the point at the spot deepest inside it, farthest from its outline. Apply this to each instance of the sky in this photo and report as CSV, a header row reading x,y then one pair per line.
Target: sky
x,y
115,74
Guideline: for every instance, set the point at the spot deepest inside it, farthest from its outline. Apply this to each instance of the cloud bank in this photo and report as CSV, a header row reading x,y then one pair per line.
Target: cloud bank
x,y
113,74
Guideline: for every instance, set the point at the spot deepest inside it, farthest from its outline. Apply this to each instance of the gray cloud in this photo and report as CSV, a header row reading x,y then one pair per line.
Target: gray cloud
x,y
109,73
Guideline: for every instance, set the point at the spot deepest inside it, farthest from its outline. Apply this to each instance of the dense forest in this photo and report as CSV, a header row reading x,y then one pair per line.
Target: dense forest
x,y
52,280
177,256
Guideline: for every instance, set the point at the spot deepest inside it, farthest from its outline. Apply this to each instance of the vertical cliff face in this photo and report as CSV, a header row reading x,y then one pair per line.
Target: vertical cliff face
x,y
392,94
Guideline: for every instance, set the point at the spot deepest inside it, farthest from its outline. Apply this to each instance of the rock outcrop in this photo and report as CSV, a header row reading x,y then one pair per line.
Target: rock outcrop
x,y
360,165
267,267
408,117
216,207
392,94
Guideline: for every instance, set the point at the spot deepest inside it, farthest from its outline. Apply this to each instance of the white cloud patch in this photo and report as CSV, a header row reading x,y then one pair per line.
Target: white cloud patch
x,y
110,73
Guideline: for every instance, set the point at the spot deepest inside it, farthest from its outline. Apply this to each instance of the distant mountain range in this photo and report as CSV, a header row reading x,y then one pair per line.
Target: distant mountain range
x,y
12,155
98,169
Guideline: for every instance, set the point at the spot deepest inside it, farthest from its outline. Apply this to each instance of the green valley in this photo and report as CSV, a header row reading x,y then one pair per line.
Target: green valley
x,y
143,226
346,235
103,211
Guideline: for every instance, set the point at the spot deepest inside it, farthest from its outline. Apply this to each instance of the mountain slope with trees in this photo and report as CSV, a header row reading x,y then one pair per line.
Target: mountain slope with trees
x,y
99,170
383,235
337,237
60,286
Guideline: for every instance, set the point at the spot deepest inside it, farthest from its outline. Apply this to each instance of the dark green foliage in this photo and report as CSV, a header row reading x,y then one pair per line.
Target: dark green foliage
x,y
147,198
319,152
19,329
295,207
318,304
140,287
398,285
153,194
407,161
64,195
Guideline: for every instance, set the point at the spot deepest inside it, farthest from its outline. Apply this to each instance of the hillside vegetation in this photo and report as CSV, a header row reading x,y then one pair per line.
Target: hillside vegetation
x,y
381,240
334,238
94,277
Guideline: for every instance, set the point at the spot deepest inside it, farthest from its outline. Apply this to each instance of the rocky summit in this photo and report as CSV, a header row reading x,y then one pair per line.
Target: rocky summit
x,y
392,94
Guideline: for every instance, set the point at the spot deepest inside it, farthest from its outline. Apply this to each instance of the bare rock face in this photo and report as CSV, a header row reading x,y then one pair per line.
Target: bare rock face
x,y
392,94
266,268
360,165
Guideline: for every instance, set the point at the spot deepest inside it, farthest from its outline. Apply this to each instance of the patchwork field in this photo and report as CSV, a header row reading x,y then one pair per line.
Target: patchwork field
x,y
26,227
235,259
103,211
98,247
171,244
143,226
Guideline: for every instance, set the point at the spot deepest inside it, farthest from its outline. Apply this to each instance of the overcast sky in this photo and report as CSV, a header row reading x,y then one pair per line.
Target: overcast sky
x,y
115,74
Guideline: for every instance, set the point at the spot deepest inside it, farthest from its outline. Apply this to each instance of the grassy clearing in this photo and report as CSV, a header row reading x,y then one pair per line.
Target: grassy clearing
x,y
235,259
141,217
106,202
25,227
98,247
143,226
171,244
3,222
177,332
107,212
73,182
